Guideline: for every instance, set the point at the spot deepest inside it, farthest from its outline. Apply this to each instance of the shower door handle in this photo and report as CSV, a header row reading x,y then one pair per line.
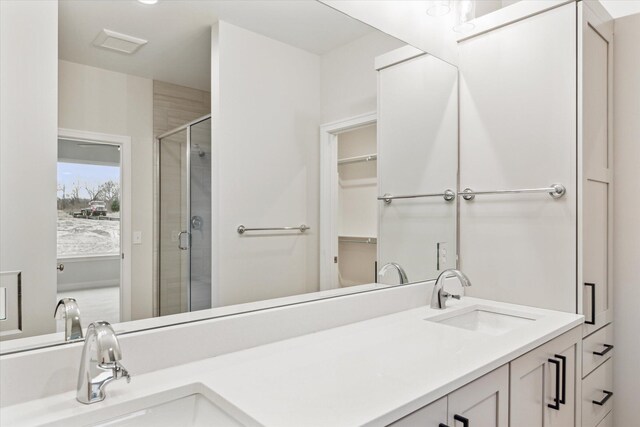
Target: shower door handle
x,y
184,248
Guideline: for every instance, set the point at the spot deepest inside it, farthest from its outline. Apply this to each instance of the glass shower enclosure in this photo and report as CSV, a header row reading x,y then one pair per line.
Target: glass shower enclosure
x,y
184,220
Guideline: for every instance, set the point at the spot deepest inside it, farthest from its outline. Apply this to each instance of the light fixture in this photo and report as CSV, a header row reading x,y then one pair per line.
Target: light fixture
x,y
465,12
439,8
148,1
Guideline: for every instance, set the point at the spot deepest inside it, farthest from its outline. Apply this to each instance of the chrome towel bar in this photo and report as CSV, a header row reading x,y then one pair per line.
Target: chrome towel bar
x,y
242,229
448,195
554,190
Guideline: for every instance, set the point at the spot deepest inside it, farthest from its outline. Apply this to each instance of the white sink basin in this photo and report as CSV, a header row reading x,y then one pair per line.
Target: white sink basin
x,y
488,321
190,411
191,405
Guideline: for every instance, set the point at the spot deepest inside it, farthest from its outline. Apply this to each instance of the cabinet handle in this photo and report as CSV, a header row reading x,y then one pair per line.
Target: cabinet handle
x,y
604,400
607,349
556,405
563,399
442,425
463,420
593,304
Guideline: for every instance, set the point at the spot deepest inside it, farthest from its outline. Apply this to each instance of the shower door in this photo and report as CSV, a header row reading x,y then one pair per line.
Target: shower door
x,y
184,252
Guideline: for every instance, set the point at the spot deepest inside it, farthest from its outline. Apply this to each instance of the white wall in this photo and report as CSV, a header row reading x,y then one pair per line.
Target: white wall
x,y
266,108
626,273
28,150
406,20
349,78
520,248
96,100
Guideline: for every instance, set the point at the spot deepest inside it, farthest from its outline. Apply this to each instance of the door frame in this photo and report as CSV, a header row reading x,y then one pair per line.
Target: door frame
x,y
329,193
124,142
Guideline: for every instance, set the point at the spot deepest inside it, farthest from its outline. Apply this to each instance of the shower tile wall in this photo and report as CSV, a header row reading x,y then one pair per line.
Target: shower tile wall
x,y
174,106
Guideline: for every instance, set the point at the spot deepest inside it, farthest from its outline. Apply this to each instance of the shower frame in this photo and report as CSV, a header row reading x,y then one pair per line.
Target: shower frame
x,y
157,210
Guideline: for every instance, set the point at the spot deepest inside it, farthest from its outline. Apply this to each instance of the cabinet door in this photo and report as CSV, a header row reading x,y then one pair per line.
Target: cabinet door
x,y
484,402
543,384
595,167
431,415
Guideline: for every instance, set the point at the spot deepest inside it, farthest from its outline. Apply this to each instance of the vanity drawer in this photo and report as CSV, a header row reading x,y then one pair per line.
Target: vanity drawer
x,y
597,387
608,420
600,342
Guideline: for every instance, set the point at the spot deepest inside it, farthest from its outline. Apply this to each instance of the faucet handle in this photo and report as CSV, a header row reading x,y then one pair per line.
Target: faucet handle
x,y
448,295
120,371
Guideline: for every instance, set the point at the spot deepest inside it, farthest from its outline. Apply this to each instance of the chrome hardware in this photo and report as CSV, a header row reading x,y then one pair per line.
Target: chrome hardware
x,y
184,248
439,296
358,159
555,191
60,267
100,363
448,195
369,240
402,275
68,310
196,222
242,229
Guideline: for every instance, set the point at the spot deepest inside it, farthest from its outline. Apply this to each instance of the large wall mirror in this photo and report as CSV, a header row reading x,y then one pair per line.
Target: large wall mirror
x,y
217,157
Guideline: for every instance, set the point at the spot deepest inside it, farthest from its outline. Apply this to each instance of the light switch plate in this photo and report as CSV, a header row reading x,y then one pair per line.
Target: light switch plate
x,y
441,262
137,237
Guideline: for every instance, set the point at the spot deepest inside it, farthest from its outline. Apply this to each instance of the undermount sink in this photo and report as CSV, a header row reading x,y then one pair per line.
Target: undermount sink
x,y
488,321
190,411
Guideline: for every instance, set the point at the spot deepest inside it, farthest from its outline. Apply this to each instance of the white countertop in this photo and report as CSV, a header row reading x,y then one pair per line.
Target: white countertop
x,y
367,373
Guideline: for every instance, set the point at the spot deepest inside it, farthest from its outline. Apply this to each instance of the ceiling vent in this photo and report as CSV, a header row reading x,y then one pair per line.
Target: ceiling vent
x,y
119,42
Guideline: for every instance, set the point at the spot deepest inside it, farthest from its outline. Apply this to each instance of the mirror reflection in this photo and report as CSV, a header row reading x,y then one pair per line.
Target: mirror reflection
x,y
242,154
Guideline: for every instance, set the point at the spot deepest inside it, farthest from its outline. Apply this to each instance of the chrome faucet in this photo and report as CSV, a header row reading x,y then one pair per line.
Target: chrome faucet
x,y
401,273
67,309
100,363
439,296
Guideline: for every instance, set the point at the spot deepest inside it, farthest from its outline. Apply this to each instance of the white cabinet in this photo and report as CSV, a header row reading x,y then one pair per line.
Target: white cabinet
x,y
597,394
433,414
417,134
544,384
597,348
595,167
484,402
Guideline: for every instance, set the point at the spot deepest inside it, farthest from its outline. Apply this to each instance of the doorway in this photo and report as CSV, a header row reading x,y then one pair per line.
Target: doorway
x,y
93,218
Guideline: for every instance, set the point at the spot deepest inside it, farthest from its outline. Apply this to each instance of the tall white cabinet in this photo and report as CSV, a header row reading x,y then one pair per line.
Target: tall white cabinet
x,y
536,110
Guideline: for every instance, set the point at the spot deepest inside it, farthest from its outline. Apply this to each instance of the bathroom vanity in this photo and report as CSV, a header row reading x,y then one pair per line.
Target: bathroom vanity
x,y
480,360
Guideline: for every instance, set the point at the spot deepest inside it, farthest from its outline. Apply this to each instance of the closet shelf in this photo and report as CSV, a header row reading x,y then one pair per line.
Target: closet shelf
x,y
358,159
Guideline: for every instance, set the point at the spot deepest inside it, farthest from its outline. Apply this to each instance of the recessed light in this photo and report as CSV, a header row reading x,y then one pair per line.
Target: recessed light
x,y
148,1
439,8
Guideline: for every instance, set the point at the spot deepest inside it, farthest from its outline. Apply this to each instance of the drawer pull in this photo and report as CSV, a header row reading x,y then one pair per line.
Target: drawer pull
x,y
593,304
556,405
607,349
563,399
442,425
463,420
604,400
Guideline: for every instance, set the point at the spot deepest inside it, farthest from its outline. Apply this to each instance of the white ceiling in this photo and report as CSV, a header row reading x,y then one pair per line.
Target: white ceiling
x,y
179,36
619,8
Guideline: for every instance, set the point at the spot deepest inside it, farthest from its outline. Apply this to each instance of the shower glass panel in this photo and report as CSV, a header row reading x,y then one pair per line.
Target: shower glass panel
x,y
184,253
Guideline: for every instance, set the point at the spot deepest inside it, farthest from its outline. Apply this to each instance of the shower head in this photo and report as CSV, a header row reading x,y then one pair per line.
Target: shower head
x,y
201,153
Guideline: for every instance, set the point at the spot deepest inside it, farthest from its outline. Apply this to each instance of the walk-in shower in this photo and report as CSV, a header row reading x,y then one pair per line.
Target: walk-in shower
x,y
184,225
